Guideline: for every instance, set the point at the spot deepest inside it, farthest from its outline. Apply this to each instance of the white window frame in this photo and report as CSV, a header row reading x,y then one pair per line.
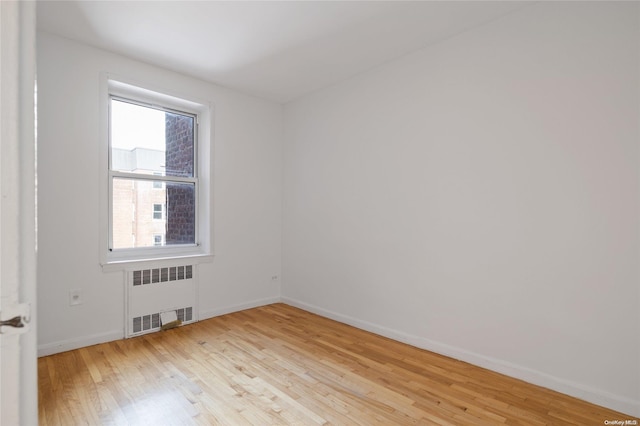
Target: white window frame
x,y
118,87
155,182
161,240
153,214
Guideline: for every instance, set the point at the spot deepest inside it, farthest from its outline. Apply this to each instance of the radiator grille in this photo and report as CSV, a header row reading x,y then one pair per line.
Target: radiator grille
x,y
161,275
152,322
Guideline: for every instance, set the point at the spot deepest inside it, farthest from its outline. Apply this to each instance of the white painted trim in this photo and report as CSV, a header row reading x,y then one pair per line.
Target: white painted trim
x,y
577,390
80,342
18,367
204,110
237,308
130,265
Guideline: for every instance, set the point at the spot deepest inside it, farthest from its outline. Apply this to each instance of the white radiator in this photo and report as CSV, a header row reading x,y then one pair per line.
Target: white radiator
x,y
155,290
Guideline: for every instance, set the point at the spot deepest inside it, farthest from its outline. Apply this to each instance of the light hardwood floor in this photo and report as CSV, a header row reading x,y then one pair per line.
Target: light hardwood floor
x,y
278,365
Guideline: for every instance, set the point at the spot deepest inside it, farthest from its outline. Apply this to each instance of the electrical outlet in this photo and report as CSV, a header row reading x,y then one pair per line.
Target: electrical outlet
x,y
75,297
274,278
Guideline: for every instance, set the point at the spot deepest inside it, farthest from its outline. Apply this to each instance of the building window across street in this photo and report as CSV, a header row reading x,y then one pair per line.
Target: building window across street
x,y
157,211
157,240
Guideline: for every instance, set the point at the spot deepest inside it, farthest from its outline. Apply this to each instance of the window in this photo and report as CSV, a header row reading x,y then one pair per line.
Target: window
x,y
157,239
151,147
153,175
157,184
157,211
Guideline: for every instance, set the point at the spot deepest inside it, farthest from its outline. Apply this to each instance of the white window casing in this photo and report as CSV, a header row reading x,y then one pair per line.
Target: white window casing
x,y
201,251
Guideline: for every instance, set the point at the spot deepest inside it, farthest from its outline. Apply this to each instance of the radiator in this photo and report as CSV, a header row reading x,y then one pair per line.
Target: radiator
x,y
155,290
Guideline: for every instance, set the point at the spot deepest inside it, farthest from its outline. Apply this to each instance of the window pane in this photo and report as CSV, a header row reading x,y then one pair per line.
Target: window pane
x,y
180,213
157,210
137,212
179,151
151,141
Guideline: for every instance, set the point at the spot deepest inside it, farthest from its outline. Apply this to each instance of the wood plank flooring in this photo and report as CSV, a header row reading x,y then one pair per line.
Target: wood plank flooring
x,y
278,365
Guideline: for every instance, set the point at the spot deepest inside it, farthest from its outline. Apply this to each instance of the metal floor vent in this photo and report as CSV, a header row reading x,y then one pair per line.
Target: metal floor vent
x,y
152,322
161,275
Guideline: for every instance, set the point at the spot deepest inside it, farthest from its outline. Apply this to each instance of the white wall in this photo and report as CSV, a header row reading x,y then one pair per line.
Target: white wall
x,y
247,195
480,198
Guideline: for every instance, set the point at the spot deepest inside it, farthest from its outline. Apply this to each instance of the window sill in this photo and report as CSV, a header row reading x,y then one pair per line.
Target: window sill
x,y
130,264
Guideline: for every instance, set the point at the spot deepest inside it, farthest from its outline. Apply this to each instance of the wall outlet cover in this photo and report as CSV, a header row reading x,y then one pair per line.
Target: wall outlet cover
x,y
75,297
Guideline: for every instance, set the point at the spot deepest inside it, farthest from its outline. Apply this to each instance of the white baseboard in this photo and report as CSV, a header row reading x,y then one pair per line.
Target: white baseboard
x,y
595,396
577,390
81,342
240,307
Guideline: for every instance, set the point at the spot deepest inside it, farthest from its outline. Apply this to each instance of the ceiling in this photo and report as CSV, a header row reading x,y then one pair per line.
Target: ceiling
x,y
278,50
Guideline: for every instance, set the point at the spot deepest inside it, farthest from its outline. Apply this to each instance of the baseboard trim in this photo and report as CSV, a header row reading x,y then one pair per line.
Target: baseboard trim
x,y
81,342
95,339
240,307
577,390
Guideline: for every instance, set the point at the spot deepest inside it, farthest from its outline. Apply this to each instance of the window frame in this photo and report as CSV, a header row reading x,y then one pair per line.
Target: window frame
x,y
115,174
133,92
158,243
156,182
161,211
